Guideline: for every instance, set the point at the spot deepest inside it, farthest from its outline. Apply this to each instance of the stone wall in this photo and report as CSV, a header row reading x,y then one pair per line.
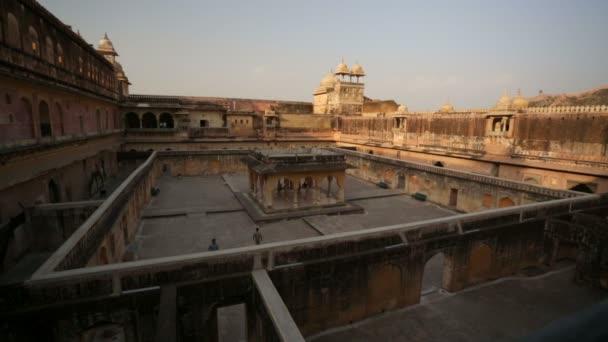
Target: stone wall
x,y
306,122
459,190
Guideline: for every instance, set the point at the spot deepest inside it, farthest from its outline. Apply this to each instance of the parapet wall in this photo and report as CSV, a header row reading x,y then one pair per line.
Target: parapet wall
x,y
461,190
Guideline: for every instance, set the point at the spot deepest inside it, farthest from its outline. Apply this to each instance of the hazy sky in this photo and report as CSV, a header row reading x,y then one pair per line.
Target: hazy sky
x,y
417,53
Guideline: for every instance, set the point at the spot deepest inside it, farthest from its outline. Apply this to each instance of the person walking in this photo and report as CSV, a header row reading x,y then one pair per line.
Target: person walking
x,y
213,246
257,236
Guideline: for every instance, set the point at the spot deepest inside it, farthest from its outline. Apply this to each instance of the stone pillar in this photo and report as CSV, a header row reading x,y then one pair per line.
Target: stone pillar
x,y
251,182
295,194
340,181
268,184
316,194
260,184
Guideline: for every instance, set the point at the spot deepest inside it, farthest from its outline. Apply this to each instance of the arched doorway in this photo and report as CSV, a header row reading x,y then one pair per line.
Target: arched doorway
x,y
45,119
103,256
54,192
438,164
480,262
132,120
148,120
432,276
505,202
166,120
582,188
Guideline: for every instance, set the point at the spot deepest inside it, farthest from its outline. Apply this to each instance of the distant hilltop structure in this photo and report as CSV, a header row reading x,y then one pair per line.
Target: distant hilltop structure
x,y
593,97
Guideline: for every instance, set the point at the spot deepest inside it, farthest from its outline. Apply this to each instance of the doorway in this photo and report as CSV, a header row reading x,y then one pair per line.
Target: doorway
x,y
453,197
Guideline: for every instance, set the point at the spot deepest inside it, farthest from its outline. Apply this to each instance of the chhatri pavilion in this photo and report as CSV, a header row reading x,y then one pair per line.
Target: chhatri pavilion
x,y
296,178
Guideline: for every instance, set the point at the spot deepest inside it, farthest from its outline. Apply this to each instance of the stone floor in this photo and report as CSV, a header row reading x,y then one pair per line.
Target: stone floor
x,y
190,211
505,310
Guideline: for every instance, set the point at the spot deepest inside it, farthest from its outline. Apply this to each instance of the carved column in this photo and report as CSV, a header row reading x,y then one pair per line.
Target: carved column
x,y
295,193
268,184
340,181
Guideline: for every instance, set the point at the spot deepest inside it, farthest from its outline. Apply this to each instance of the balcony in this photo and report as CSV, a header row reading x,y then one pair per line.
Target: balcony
x,y
51,73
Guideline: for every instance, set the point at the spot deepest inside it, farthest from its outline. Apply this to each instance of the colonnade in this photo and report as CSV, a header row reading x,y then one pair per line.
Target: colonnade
x,y
263,187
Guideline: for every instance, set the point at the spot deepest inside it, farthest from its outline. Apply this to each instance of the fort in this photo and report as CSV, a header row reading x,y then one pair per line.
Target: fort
x,y
108,201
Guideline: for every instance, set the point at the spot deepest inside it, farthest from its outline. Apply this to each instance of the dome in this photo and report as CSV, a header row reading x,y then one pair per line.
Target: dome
x,y
329,80
401,108
504,102
105,45
342,69
446,108
357,70
520,102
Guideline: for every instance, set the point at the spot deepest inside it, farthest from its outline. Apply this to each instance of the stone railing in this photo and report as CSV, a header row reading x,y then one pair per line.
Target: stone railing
x,y
127,277
39,66
569,109
209,132
81,245
489,180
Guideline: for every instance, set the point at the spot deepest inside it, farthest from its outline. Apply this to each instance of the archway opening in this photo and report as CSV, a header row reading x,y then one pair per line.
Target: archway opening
x,y
103,256
148,120
166,121
439,164
132,120
582,188
45,119
232,322
432,276
54,193
505,202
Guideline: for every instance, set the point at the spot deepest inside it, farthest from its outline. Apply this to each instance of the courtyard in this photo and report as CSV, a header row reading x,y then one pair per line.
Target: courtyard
x,y
190,211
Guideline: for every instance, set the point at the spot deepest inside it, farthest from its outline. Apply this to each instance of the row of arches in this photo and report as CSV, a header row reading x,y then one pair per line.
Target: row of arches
x,y
29,118
52,52
149,120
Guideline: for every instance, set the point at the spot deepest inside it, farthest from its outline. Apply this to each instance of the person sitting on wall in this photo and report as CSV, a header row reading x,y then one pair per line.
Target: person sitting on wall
x,y
213,246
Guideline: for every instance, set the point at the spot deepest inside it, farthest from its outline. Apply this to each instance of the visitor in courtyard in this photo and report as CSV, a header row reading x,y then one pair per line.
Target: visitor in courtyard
x,y
213,246
257,236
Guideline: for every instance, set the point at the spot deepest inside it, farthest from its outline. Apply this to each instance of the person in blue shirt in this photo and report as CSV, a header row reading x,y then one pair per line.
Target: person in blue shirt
x,y
213,246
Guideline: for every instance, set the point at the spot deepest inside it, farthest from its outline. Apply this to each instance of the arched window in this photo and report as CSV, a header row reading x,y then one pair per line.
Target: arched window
x,y
49,50
107,124
115,123
80,65
132,120
33,45
28,117
149,121
13,33
59,55
166,120
45,119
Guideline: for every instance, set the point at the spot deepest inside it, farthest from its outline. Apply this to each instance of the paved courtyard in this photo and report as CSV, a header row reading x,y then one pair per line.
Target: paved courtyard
x,y
190,211
505,310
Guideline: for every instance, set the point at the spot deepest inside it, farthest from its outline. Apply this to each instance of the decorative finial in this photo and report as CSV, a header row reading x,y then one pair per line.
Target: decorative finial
x,y
105,35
